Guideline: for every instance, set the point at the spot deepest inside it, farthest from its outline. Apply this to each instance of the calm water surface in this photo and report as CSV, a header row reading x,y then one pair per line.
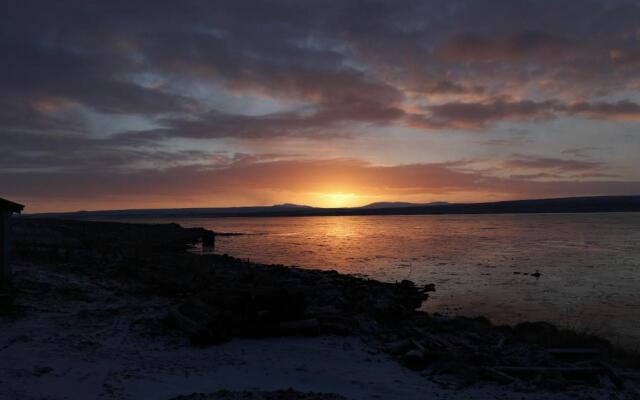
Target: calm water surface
x,y
590,263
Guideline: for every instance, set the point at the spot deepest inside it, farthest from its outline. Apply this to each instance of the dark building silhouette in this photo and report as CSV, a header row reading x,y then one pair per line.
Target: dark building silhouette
x,y
7,209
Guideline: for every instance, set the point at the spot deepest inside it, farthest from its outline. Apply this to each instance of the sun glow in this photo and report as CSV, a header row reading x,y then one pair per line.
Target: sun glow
x,y
335,200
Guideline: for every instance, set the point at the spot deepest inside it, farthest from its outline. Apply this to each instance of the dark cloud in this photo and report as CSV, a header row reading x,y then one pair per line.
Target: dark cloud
x,y
477,115
549,163
623,109
313,122
351,60
34,70
462,115
524,44
535,176
450,87
25,151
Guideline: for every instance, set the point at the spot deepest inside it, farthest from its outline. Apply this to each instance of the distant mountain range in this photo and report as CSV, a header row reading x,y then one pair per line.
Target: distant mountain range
x,y
557,205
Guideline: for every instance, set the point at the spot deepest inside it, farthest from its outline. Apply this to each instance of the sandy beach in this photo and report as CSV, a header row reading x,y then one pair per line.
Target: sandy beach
x,y
85,340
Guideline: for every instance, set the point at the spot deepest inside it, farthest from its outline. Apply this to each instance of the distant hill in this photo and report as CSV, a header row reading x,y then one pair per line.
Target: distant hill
x,y
401,204
557,205
178,212
289,206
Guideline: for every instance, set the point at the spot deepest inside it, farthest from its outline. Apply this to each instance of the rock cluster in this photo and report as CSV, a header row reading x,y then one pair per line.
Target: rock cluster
x,y
252,301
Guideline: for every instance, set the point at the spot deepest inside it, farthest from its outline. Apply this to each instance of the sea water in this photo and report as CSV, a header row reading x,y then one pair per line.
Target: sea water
x,y
588,264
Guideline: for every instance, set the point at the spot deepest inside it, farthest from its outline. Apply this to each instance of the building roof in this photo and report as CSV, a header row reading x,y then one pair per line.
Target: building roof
x,y
10,206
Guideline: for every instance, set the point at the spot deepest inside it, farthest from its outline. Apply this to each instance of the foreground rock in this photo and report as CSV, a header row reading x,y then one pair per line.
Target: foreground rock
x,y
216,298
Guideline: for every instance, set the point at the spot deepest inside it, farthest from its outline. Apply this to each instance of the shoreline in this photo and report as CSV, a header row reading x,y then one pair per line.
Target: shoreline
x,y
154,282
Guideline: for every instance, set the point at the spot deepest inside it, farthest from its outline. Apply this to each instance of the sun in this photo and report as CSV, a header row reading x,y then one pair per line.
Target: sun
x,y
337,200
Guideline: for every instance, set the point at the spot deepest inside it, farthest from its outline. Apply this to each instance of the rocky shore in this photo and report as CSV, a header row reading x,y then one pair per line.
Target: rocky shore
x,y
150,282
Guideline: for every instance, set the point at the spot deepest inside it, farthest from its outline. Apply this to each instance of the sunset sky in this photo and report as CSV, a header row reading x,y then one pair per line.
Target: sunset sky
x,y
131,104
